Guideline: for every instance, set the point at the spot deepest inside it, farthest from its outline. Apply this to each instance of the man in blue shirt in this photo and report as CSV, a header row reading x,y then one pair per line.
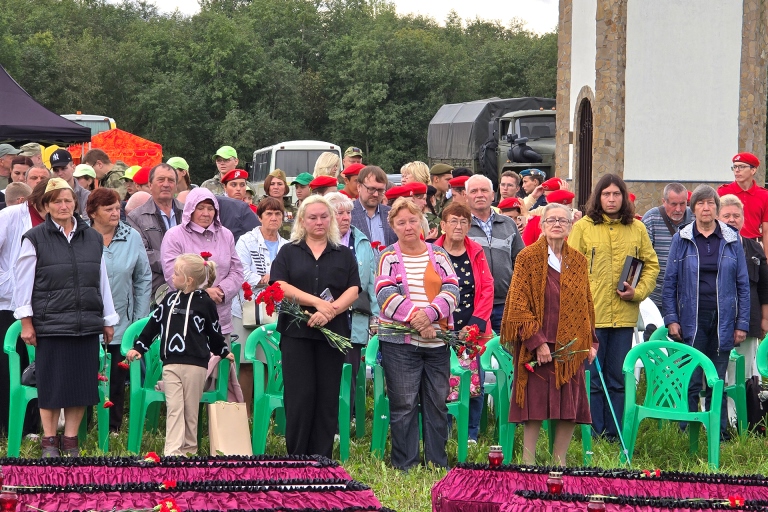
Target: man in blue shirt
x,y
368,214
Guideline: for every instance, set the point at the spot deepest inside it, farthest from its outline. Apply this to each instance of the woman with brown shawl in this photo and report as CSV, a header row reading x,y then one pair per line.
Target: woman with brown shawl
x,y
549,323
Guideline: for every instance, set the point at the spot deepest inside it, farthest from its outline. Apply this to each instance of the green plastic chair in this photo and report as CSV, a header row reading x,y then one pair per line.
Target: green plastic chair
x,y
268,390
360,388
736,391
762,358
500,391
145,399
21,395
668,369
380,424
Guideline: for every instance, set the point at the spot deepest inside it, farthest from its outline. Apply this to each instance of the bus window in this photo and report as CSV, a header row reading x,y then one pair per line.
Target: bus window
x,y
296,161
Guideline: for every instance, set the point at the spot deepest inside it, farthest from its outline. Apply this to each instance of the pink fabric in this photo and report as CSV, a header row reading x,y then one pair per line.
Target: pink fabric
x,y
475,490
288,500
520,504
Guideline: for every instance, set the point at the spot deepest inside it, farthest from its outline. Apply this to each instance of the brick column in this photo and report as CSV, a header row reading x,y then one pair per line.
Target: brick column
x,y
610,67
563,98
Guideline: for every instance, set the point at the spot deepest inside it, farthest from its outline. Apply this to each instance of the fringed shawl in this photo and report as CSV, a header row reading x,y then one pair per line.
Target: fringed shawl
x,y
524,311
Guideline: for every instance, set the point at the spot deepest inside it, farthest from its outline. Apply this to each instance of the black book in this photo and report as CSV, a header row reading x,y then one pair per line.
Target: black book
x,y
630,273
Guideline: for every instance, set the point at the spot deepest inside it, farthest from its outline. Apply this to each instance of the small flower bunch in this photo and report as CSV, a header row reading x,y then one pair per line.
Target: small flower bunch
x,y
103,378
561,354
247,291
152,457
168,505
647,473
271,297
104,383
735,501
467,341
376,245
205,255
168,484
123,365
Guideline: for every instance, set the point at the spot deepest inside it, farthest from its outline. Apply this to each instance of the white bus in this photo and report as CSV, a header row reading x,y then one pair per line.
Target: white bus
x,y
97,124
292,157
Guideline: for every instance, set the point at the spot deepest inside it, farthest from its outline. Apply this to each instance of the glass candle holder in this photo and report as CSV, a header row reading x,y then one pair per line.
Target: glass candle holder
x,y
555,482
596,504
8,499
495,456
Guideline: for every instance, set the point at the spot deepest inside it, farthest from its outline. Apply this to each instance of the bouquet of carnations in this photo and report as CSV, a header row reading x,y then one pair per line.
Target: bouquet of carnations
x,y
467,340
273,297
561,354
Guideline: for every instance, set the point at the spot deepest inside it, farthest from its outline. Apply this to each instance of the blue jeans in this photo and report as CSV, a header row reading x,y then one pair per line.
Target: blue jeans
x,y
615,343
496,313
707,341
417,375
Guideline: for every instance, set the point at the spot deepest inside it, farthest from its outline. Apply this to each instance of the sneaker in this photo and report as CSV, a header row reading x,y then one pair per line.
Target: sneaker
x,y
471,442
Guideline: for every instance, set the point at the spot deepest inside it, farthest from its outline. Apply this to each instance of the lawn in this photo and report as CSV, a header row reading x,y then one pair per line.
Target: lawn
x,y
665,448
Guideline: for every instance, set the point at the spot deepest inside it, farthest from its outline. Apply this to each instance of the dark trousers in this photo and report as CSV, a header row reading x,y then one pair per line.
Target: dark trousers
x,y
353,358
312,380
615,343
417,375
32,416
117,378
707,341
497,314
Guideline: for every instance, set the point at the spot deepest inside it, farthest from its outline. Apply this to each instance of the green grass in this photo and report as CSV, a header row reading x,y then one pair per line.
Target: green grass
x,y
665,448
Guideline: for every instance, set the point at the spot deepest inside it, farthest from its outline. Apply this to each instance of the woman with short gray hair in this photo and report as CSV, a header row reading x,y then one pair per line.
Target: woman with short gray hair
x,y
705,297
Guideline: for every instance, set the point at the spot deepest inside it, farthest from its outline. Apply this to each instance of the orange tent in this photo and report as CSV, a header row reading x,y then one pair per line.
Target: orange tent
x,y
122,145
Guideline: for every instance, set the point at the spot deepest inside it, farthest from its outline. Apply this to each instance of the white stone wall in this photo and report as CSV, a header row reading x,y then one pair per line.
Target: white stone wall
x,y
682,89
583,53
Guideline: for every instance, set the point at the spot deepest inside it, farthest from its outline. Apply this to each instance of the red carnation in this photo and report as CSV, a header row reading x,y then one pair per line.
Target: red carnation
x,y
123,365
658,472
376,245
168,484
108,403
102,378
205,255
529,367
735,501
151,457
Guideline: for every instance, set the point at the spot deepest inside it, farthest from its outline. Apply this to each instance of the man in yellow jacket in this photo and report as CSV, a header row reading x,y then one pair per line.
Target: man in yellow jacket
x,y
606,235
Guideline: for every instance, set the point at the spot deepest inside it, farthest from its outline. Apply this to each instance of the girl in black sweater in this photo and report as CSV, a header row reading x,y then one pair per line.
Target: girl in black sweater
x,y
187,325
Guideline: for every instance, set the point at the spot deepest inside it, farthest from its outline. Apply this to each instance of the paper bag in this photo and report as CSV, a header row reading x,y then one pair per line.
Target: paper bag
x,y
228,430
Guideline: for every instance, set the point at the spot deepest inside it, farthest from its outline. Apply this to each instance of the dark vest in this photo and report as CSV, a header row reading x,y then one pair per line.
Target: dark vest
x,y
66,299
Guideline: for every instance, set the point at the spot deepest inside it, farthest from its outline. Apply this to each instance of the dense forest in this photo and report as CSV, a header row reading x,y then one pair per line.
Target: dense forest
x,y
250,73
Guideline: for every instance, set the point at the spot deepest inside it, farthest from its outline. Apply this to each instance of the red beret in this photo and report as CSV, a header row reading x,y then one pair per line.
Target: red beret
x,y
323,181
142,176
632,197
399,191
552,184
747,158
510,203
417,187
235,174
352,170
561,196
458,182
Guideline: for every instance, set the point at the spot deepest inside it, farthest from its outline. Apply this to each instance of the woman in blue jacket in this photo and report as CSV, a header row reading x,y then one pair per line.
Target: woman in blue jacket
x,y
705,298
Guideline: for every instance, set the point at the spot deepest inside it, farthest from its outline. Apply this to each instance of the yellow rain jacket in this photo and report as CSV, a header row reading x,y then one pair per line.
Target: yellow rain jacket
x,y
606,246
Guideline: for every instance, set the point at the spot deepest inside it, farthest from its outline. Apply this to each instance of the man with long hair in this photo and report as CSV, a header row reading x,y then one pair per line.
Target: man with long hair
x,y
606,235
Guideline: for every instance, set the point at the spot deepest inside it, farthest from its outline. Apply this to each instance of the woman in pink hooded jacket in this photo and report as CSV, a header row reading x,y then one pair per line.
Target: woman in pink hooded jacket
x,y
201,231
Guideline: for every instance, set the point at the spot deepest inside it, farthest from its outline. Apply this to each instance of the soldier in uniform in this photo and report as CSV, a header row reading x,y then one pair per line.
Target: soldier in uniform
x,y
440,176
301,183
226,160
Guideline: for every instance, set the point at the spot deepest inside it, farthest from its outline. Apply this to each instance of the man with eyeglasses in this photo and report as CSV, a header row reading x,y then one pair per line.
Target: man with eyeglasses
x,y
754,197
509,185
368,214
63,167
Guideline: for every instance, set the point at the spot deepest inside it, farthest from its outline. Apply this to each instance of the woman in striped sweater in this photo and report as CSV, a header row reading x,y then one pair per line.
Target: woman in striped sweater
x,y
417,286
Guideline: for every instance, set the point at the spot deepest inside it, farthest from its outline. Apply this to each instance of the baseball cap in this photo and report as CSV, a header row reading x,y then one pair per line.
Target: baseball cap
x,y
747,158
439,169
302,179
31,149
353,151
141,177
84,170
352,170
60,158
226,152
235,174
178,163
130,172
7,149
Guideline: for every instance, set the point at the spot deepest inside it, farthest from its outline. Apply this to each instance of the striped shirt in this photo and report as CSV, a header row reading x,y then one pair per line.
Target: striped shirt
x,y
661,241
415,269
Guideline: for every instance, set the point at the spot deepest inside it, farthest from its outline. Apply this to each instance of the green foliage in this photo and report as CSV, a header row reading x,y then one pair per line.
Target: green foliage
x,y
250,73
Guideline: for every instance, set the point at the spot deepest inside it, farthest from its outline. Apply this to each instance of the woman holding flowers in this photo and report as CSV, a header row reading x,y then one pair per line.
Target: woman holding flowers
x,y
416,286
320,274
549,323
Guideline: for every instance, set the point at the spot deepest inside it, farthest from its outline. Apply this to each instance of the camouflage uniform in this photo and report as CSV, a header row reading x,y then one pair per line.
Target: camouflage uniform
x,y
440,205
433,220
113,179
288,218
214,185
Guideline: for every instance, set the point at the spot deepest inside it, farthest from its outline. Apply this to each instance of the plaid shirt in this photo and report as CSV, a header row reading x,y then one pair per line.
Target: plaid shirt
x,y
487,226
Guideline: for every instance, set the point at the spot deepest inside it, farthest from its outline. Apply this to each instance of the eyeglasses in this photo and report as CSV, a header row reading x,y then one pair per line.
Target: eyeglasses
x,y
458,222
740,167
552,221
373,190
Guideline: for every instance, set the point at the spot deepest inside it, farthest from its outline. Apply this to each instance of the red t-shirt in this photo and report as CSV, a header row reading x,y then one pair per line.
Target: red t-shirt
x,y
532,230
755,201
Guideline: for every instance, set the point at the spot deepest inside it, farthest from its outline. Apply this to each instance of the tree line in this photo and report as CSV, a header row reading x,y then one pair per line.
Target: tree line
x,y
250,73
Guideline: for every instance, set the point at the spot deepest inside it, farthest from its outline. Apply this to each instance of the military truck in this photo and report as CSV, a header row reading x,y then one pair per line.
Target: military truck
x,y
480,134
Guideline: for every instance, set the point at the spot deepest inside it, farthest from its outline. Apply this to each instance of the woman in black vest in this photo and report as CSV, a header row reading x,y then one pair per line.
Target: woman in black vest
x,y
64,302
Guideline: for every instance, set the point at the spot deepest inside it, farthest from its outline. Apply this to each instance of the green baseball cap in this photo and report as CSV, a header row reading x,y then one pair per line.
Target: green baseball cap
x,y
131,172
302,179
226,152
178,163
84,170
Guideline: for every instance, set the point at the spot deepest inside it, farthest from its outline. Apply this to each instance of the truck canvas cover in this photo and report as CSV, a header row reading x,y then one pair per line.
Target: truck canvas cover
x,y
458,129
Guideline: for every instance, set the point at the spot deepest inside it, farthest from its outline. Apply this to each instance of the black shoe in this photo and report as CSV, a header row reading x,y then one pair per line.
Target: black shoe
x,y
725,437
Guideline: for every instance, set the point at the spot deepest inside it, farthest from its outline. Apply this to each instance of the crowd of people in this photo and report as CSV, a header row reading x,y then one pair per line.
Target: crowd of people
x,y
88,249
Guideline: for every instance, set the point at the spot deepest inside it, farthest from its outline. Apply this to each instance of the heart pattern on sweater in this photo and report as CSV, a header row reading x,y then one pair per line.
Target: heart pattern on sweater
x,y
177,344
215,325
157,314
199,323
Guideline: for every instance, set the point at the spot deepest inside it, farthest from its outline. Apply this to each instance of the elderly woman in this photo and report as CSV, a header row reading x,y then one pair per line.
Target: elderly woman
x,y
414,171
416,285
327,164
201,231
549,303
64,302
276,185
130,280
365,308
705,298
319,273
475,288
257,249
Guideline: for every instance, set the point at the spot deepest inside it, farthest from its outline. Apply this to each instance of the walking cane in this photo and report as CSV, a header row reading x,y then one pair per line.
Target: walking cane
x,y
613,413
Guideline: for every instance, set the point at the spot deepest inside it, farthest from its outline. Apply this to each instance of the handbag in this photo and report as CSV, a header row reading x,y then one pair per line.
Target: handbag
x,y
255,315
28,376
228,431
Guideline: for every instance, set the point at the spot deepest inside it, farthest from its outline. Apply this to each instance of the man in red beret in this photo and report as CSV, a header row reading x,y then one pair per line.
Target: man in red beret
x,y
323,184
532,230
514,208
350,174
754,197
458,192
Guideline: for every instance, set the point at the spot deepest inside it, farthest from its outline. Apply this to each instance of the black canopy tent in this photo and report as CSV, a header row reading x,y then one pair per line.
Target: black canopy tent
x,y
22,119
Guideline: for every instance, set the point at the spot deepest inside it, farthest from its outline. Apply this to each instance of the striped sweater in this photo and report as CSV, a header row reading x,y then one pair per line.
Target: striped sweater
x,y
392,292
